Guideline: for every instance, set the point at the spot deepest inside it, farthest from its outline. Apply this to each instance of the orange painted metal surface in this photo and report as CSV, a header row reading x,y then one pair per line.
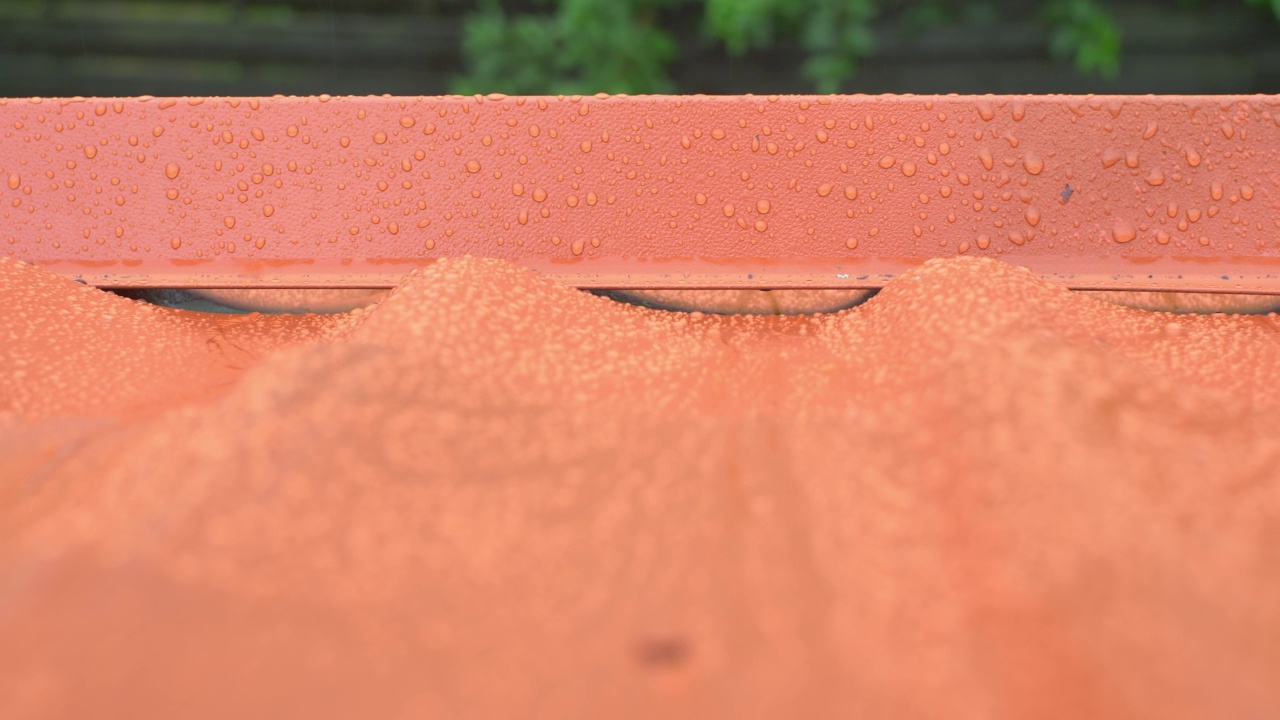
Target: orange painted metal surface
x,y
490,495
1170,193
978,495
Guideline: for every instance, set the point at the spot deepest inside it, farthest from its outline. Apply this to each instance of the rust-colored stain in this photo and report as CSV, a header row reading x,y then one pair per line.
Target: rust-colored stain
x,y
1101,192
978,494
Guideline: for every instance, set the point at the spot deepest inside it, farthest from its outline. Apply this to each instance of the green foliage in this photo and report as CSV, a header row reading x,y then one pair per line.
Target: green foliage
x,y
585,47
929,14
1273,4
836,33
1083,29
744,24
619,46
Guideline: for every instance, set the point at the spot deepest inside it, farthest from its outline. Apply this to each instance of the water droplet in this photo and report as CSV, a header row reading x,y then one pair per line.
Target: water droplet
x,y
229,221
1123,232
1246,192
175,243
761,226
851,192
985,156
406,121
983,242
825,189
1156,177
1162,237
90,151
1033,163
1033,216
380,137
268,210
852,243
539,194
908,169
762,207
14,181
700,199
473,166
171,170
577,247
1193,157
585,146
887,161
728,210
1131,159
1215,190
1109,158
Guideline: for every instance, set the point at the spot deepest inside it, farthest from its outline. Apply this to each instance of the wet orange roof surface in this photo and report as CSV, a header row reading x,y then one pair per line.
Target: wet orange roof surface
x,y
976,495
1098,192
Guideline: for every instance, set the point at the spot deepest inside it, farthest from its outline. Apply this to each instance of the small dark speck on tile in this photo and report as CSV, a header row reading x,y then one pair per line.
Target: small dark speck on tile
x,y
663,652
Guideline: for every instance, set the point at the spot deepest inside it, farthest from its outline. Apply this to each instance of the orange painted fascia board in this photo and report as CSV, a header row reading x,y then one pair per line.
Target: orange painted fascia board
x,y
1119,192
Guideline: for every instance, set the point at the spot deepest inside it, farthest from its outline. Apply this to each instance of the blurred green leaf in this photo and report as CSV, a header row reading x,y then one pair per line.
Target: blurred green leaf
x,y
586,46
827,70
621,46
926,16
1273,4
1084,30
742,24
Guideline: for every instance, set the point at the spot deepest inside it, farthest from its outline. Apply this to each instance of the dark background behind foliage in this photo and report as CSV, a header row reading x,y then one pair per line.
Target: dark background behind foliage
x,y
428,47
